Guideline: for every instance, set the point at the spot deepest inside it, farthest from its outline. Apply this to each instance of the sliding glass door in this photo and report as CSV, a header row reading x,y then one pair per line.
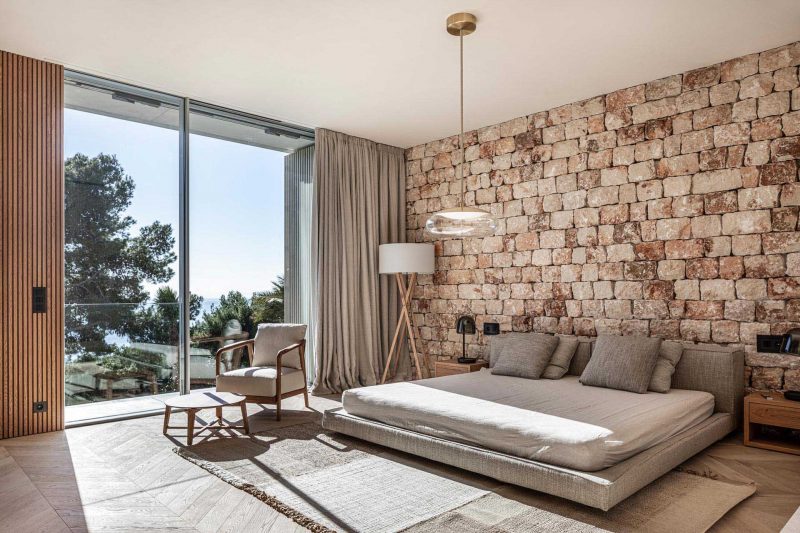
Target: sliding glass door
x,y
160,191
121,255
237,237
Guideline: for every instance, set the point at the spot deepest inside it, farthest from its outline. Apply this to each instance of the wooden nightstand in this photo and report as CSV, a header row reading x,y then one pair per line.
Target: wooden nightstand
x,y
779,412
450,367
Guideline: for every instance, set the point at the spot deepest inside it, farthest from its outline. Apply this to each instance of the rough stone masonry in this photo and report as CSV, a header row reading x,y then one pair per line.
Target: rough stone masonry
x,y
667,209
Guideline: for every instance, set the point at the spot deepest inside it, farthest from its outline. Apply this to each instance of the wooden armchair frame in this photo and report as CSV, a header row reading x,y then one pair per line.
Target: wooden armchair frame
x,y
279,395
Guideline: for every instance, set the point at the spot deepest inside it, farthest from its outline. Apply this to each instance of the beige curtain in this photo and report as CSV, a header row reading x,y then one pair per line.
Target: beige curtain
x,y
359,203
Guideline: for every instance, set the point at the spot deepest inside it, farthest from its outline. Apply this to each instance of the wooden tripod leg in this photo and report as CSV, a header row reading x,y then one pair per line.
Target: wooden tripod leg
x,y
405,299
399,349
412,341
394,344
405,296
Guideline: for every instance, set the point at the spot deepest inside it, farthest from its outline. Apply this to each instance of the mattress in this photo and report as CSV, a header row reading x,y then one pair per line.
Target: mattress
x,y
559,422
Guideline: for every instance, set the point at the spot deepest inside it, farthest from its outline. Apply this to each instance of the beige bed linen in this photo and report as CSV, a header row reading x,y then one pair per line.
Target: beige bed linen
x,y
559,422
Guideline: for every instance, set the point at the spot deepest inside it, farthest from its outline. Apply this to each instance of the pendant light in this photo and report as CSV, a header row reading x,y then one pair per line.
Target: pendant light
x,y
461,221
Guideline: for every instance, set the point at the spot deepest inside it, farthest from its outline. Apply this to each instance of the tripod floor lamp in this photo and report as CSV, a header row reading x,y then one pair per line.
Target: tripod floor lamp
x,y
403,259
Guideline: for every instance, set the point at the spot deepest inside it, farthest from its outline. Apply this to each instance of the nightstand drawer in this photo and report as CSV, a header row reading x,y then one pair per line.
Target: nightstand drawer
x,y
774,415
451,367
449,371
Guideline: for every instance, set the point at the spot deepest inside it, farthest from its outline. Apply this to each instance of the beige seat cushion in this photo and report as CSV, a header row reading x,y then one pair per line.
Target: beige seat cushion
x,y
260,380
272,338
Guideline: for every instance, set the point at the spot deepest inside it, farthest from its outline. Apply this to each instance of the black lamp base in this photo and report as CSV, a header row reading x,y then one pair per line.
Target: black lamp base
x,y
467,360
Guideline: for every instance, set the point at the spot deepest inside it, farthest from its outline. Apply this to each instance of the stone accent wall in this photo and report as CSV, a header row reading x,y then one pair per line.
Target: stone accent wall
x,y
667,209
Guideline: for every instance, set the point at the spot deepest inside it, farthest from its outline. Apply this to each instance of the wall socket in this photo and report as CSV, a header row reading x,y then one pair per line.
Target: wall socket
x,y
39,407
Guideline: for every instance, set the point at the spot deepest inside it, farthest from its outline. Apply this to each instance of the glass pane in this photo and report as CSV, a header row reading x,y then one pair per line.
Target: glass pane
x,y
121,250
236,234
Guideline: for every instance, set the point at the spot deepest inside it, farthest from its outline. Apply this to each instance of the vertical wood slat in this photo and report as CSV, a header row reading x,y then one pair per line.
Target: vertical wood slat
x,y
31,244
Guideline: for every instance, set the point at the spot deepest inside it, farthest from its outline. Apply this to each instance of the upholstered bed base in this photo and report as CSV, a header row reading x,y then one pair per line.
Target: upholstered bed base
x,y
719,371
602,489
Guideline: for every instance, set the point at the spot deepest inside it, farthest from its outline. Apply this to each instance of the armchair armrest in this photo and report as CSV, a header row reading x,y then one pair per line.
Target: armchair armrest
x,y
301,346
296,346
249,343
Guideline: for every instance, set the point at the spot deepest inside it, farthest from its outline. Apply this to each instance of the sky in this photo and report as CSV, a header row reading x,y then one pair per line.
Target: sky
x,y
236,198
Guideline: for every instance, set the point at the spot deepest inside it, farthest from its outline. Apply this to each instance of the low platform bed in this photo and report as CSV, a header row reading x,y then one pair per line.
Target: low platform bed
x,y
710,369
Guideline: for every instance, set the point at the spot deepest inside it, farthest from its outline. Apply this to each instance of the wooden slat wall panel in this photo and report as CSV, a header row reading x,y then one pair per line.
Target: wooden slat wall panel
x,y
31,244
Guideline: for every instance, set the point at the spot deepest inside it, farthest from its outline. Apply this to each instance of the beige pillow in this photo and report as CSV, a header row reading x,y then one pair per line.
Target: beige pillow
x,y
525,356
668,357
623,363
559,362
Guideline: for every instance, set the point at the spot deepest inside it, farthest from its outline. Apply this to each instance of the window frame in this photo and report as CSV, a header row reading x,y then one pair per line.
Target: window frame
x,y
185,106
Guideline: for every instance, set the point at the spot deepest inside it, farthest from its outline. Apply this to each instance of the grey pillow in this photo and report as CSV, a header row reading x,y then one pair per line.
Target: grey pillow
x,y
497,344
668,357
525,356
559,362
623,363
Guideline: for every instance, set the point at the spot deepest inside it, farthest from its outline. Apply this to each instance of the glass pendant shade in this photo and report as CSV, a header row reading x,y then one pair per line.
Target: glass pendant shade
x,y
461,222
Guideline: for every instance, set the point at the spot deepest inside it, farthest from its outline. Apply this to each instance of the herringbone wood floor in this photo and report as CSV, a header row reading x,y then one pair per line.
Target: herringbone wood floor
x,y
123,476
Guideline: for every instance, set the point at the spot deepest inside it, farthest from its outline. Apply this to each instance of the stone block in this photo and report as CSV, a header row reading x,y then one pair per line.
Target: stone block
x,y
746,222
613,176
684,248
716,180
654,109
766,128
778,173
759,197
731,134
724,93
706,226
664,87
717,289
687,289
773,104
691,100
673,228
741,67
677,166
781,243
671,269
696,141
781,57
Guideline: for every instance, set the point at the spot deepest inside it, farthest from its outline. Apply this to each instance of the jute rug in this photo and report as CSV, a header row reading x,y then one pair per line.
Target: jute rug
x,y
330,482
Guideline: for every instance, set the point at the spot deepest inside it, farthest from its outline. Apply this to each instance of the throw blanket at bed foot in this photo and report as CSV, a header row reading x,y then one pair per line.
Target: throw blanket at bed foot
x,y
329,482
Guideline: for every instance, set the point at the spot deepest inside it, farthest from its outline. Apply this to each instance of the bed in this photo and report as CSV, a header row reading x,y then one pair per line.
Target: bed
x,y
588,444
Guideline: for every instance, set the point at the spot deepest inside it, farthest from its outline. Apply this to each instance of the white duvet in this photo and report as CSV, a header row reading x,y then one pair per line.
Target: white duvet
x,y
559,422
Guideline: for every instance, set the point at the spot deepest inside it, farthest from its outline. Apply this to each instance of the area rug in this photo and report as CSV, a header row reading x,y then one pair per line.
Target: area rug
x,y
325,481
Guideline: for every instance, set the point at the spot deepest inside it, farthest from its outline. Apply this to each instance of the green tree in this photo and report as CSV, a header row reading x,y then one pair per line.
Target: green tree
x,y
232,306
158,321
105,262
268,306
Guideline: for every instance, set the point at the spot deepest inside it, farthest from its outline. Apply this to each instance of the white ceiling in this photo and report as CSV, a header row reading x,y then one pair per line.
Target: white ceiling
x,y
386,69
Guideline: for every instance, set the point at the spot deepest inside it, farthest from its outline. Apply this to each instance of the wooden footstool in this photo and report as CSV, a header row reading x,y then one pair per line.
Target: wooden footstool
x,y
205,400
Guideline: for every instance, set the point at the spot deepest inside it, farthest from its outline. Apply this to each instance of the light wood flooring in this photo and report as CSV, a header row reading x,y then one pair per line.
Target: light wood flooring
x,y
123,476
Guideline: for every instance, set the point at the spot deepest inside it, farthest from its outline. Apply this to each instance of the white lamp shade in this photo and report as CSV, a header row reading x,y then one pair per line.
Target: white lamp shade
x,y
405,258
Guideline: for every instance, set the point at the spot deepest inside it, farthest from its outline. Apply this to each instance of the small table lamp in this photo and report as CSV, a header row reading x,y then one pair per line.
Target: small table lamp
x,y
399,259
466,326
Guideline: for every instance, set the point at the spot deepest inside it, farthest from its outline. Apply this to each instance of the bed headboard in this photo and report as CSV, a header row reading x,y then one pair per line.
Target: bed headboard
x,y
715,369
718,370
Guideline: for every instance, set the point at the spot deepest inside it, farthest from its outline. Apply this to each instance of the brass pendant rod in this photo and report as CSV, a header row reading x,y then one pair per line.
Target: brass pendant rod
x,y
461,138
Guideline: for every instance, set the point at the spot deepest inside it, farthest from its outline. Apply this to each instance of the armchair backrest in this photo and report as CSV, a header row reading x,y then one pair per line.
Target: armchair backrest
x,y
271,338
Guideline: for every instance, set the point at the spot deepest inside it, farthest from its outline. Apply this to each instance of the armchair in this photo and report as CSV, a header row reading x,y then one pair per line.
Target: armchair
x,y
278,367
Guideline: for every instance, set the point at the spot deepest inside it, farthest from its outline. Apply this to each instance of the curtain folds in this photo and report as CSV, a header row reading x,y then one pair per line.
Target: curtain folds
x,y
359,203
